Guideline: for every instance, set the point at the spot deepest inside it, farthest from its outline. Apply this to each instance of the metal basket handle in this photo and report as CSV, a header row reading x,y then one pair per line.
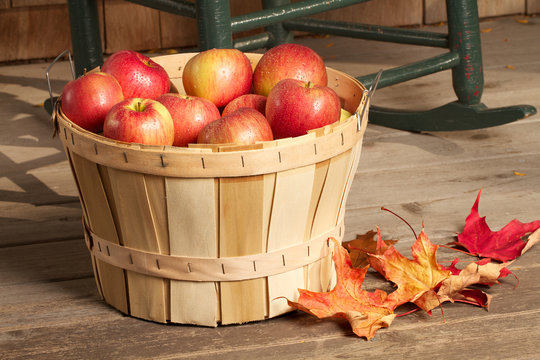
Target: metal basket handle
x,y
370,93
52,100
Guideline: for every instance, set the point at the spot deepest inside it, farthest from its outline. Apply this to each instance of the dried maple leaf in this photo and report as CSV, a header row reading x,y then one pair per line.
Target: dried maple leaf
x,y
503,245
483,272
489,272
418,279
364,244
365,311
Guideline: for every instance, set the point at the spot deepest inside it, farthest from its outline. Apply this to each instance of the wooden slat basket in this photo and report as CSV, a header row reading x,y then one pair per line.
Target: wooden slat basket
x,y
212,235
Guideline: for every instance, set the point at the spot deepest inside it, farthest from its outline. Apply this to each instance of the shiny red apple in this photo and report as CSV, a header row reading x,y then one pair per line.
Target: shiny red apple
x,y
219,75
138,75
87,100
254,101
293,107
288,61
244,126
143,121
190,114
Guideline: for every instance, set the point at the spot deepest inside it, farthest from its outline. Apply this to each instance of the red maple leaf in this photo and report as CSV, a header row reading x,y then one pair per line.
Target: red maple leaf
x,y
365,311
503,245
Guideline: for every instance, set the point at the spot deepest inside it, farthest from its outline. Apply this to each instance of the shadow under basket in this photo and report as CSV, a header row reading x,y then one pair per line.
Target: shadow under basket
x,y
212,235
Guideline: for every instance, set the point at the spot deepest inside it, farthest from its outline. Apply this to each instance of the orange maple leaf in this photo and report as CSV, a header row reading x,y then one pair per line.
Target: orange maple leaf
x,y
366,311
418,279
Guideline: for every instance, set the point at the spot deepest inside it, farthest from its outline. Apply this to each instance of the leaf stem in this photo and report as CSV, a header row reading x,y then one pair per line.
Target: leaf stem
x,y
408,312
454,249
442,311
468,302
402,219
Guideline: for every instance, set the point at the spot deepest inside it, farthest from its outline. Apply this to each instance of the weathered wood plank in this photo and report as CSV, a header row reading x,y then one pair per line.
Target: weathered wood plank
x,y
533,6
130,26
62,260
18,222
20,27
177,31
298,335
382,12
21,3
48,304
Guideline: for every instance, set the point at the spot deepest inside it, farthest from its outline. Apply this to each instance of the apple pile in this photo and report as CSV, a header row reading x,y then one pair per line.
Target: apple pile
x,y
227,101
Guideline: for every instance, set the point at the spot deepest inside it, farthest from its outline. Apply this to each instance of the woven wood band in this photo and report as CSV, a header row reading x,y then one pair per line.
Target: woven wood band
x,y
213,269
203,163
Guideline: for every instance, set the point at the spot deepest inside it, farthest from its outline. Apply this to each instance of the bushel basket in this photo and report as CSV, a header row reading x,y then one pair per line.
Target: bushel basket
x,y
213,235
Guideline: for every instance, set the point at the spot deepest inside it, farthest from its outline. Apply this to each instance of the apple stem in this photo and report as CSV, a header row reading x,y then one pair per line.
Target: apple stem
x,y
309,85
139,106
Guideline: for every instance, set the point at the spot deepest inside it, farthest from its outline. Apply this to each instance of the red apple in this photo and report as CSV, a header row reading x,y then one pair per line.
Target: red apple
x,y
254,101
143,121
87,100
288,61
138,75
219,75
244,126
293,107
190,114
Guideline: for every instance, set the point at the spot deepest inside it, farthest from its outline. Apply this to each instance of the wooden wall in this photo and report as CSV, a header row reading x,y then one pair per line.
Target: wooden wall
x,y
37,29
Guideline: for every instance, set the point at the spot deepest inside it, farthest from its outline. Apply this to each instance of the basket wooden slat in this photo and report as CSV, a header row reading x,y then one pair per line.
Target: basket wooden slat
x,y
98,216
288,222
215,202
138,230
243,203
193,229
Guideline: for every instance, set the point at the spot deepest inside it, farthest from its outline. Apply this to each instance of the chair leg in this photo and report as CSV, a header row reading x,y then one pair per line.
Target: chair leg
x,y
86,39
464,38
468,82
213,24
278,32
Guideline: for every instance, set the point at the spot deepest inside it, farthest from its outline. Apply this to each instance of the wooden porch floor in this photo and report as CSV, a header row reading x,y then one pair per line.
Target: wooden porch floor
x,y
49,305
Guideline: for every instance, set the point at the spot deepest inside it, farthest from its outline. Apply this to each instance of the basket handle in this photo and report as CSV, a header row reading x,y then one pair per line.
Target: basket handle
x,y
369,93
52,100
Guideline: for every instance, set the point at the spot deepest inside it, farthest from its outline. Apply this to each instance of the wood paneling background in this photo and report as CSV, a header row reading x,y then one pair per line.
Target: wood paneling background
x,y
435,10
37,29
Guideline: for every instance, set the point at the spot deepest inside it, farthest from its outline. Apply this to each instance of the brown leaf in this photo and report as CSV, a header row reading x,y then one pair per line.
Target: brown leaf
x,y
531,240
364,244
